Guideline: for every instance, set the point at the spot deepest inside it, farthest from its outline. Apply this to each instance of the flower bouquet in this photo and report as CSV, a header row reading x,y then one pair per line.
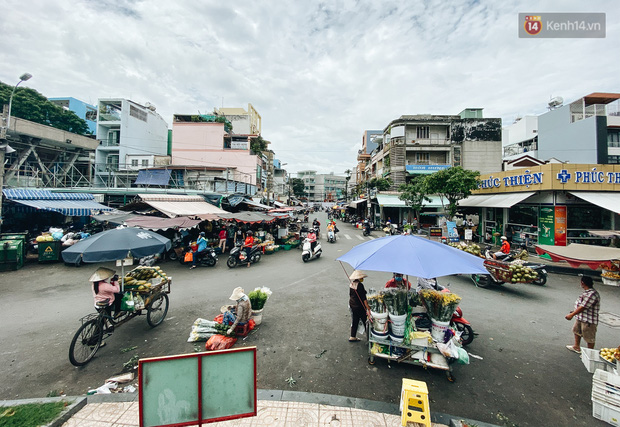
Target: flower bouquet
x,y
440,305
375,302
396,301
258,297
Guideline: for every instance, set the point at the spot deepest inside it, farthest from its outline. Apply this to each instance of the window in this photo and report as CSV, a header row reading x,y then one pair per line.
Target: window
x,y
145,162
613,139
423,132
134,162
614,160
422,157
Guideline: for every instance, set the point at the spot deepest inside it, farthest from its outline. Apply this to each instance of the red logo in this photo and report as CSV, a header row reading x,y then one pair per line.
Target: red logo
x,y
532,25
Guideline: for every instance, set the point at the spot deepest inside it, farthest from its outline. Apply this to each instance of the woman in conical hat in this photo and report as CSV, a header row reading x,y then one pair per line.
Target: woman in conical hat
x,y
106,291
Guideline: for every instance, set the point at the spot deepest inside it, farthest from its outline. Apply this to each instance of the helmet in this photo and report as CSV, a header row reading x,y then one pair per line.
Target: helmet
x,y
250,232
503,238
202,233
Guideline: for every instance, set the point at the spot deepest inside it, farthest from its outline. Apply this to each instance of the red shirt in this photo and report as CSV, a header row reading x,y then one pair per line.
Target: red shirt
x,y
249,242
505,247
392,283
222,234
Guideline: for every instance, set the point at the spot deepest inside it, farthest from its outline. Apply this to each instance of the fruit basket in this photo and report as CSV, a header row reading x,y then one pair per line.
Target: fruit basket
x,y
510,273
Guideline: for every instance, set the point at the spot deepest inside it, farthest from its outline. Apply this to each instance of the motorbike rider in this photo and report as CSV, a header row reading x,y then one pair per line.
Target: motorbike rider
x,y
429,284
200,250
312,239
316,223
247,244
523,254
504,250
366,226
397,281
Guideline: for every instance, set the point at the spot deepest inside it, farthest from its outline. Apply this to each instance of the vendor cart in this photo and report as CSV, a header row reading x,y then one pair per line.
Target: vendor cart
x,y
501,272
148,288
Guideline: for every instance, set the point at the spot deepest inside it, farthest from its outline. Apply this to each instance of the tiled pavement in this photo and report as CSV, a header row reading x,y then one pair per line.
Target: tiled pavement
x,y
270,413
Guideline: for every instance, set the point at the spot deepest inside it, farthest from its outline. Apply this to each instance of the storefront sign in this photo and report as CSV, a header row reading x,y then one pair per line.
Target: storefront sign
x,y
526,179
560,226
469,234
453,233
435,232
546,226
593,176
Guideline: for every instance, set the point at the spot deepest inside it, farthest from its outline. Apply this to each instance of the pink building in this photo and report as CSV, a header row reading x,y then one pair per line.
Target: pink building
x,y
206,143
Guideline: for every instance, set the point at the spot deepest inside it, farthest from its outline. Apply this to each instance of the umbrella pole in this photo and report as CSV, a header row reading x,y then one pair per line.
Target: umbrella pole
x,y
345,271
122,277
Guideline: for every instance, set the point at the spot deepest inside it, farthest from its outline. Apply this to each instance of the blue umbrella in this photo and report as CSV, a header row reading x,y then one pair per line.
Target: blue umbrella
x,y
115,244
413,256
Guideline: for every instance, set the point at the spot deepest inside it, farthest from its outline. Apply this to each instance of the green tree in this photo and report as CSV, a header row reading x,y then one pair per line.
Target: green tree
x,y
297,184
381,184
452,184
414,193
258,144
28,104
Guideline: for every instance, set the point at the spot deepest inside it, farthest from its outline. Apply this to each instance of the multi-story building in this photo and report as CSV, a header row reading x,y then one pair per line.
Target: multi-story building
x,y
83,110
280,181
323,187
370,141
131,136
422,144
520,138
243,122
309,179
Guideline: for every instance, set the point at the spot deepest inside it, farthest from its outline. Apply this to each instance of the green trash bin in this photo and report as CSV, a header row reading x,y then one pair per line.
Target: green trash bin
x,y
49,251
11,254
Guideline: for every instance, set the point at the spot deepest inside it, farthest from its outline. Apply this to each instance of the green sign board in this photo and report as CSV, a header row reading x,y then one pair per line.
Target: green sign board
x,y
197,388
546,225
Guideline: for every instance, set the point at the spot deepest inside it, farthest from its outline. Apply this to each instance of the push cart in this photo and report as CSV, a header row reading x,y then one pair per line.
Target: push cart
x,y
96,327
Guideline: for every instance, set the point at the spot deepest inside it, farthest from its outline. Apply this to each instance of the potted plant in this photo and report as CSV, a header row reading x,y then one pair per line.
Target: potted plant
x,y
258,298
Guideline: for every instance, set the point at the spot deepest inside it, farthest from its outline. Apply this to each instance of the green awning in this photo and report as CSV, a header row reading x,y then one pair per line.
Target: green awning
x,y
392,201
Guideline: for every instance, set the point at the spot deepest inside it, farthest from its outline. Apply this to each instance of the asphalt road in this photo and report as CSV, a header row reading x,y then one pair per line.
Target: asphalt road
x,y
526,377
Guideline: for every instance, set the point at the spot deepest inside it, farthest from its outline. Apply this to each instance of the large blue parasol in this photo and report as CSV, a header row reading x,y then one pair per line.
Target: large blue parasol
x,y
413,256
116,244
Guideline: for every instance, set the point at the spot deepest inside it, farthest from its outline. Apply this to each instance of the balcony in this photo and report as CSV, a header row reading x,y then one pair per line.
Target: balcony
x,y
428,141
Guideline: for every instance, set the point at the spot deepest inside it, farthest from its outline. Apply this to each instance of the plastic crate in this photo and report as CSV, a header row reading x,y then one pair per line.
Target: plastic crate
x,y
603,377
610,282
607,413
592,360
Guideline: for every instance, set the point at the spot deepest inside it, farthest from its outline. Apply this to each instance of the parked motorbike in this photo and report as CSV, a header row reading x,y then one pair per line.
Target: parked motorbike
x,y
206,258
177,250
459,323
237,256
309,253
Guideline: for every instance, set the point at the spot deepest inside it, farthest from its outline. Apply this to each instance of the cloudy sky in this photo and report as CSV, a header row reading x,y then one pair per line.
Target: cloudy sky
x,y
319,73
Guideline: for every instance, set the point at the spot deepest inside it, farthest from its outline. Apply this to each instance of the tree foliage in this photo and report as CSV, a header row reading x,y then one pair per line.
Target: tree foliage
x,y
28,104
414,193
452,184
381,184
258,144
297,184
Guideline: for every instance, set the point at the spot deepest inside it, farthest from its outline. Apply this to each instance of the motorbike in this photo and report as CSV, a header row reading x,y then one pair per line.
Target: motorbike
x,y
308,253
459,323
331,236
206,258
366,229
484,280
237,256
177,250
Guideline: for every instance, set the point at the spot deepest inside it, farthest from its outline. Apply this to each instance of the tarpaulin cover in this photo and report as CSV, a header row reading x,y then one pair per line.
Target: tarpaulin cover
x,y
153,177
156,223
175,205
414,256
116,219
249,217
70,204
576,254
115,244
257,204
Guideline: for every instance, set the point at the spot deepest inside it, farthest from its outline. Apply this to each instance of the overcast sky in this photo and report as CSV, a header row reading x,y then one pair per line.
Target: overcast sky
x,y
319,73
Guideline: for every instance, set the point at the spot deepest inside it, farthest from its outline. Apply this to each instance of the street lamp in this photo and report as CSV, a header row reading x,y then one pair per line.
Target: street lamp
x,y
22,78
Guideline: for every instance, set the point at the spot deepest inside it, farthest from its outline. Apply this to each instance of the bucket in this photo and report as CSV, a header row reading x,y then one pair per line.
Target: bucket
x,y
418,309
397,338
398,319
379,316
397,329
439,329
379,335
257,315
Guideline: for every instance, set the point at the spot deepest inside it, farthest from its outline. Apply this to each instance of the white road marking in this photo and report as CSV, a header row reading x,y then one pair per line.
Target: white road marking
x,y
347,236
360,237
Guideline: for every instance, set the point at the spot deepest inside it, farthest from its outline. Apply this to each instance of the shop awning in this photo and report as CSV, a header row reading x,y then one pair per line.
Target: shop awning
x,y
70,204
116,219
174,205
257,204
576,254
506,200
156,223
153,177
609,201
605,233
279,204
355,203
392,201
248,217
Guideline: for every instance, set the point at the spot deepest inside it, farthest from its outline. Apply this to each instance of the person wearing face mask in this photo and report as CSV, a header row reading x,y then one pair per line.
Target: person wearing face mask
x,y
398,281
358,305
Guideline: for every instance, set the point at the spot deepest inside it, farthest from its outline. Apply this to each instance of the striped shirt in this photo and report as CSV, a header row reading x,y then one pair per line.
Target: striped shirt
x,y
591,301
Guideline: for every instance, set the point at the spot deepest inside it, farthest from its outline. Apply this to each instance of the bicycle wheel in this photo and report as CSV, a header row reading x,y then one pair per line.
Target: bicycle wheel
x,y
157,310
85,343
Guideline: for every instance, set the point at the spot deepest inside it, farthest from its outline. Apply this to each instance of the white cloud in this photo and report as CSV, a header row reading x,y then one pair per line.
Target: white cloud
x,y
318,73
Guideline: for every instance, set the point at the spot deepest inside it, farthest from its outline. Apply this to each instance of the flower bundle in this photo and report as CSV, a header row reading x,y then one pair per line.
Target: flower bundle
x,y
396,301
258,297
375,302
440,305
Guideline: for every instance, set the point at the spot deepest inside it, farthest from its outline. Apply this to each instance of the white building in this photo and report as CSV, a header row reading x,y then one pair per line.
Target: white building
x,y
131,136
520,137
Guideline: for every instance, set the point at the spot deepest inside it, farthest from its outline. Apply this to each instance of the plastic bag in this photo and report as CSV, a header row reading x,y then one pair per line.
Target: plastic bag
x,y
138,302
219,342
463,358
361,328
189,257
127,303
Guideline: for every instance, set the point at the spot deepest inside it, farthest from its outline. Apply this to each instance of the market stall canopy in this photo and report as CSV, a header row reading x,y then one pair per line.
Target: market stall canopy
x,y
576,254
605,233
116,219
355,203
392,201
257,204
279,204
174,205
156,223
609,201
248,217
506,200
116,244
70,204
153,177
414,256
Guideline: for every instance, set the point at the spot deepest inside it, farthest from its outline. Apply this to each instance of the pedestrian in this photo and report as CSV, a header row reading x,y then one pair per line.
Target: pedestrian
x,y
358,305
230,236
585,313
222,237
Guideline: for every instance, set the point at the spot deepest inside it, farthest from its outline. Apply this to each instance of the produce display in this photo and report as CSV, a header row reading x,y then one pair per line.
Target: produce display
x,y
375,302
138,278
513,272
610,354
439,305
472,248
521,273
258,297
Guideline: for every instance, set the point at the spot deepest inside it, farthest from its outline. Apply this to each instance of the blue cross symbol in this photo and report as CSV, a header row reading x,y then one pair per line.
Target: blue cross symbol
x,y
564,176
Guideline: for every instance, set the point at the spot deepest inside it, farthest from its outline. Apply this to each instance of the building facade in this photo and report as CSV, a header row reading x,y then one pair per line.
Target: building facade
x,y
131,136
83,110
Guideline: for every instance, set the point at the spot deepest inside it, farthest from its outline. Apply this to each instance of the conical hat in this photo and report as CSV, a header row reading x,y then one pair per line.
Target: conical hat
x,y
101,273
237,293
357,275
